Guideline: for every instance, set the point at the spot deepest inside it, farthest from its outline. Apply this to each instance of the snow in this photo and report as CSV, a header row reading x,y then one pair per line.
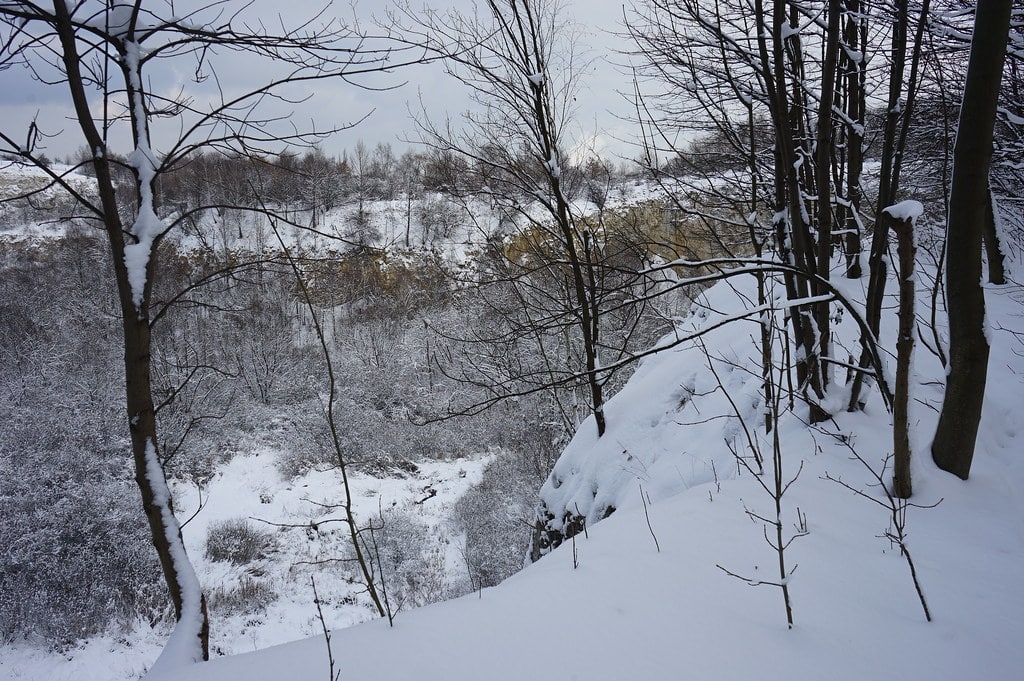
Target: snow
x,y
183,647
629,611
103,658
250,486
610,604
620,603
480,219
552,165
118,19
19,179
906,210
855,56
147,226
1011,117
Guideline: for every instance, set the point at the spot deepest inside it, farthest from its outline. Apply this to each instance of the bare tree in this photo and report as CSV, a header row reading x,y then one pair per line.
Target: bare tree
x,y
747,74
902,90
518,61
102,55
957,431
720,69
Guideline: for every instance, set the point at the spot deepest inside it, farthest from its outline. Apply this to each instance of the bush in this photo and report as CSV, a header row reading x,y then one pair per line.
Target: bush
x,y
76,558
77,555
238,541
248,597
303,443
496,516
412,557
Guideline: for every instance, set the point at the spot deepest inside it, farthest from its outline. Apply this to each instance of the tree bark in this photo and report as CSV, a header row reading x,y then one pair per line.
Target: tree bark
x,y
897,124
855,76
904,229
824,144
797,182
957,431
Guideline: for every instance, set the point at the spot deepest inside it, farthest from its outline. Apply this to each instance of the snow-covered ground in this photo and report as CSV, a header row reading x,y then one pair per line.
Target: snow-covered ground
x,y
25,220
645,593
432,220
250,487
639,602
642,596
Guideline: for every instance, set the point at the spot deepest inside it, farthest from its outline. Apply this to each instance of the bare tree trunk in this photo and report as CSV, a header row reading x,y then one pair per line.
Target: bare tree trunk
x,y
794,232
182,584
903,225
855,39
823,183
505,62
957,431
897,123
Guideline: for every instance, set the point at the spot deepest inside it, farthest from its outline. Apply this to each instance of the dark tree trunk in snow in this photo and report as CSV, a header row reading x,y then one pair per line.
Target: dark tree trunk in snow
x,y
957,431
904,228
179,576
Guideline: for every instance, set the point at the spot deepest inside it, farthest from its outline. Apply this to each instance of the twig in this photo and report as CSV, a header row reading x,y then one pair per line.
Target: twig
x,y
331,675
648,517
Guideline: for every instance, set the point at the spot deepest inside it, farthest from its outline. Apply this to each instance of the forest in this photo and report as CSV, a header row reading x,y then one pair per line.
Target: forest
x,y
256,390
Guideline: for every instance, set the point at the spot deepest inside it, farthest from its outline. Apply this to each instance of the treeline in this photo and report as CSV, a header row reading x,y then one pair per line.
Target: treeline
x,y
320,181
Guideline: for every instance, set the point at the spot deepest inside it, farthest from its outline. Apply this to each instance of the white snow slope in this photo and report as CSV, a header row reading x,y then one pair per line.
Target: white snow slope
x,y
611,605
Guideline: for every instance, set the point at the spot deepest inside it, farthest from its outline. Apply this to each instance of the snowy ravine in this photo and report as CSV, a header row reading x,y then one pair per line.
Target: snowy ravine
x,y
639,599
251,486
611,605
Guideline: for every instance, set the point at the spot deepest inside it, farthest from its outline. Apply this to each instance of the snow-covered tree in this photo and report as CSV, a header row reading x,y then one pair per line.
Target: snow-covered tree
x,y
521,68
113,60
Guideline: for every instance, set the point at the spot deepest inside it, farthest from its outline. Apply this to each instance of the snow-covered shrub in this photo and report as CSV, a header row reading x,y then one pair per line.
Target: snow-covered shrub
x,y
77,556
248,596
239,541
294,462
75,551
496,516
440,219
411,555
303,441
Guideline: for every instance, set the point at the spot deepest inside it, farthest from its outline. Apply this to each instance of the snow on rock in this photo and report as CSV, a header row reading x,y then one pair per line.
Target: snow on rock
x,y
664,429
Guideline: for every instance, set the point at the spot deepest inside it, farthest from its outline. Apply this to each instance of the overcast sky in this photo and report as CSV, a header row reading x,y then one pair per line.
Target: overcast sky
x,y
600,104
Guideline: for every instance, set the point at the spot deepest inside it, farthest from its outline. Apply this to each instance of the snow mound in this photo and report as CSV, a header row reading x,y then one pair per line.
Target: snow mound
x,y
669,429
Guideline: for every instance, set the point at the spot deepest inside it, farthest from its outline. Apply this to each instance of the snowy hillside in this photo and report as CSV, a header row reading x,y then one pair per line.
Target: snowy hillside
x,y
34,218
259,478
670,570
493,405
644,594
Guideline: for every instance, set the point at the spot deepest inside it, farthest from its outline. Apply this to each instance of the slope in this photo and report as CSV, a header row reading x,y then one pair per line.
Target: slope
x,y
644,593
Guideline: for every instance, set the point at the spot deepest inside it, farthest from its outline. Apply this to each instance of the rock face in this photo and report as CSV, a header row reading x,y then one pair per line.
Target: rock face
x,y
548,534
595,476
